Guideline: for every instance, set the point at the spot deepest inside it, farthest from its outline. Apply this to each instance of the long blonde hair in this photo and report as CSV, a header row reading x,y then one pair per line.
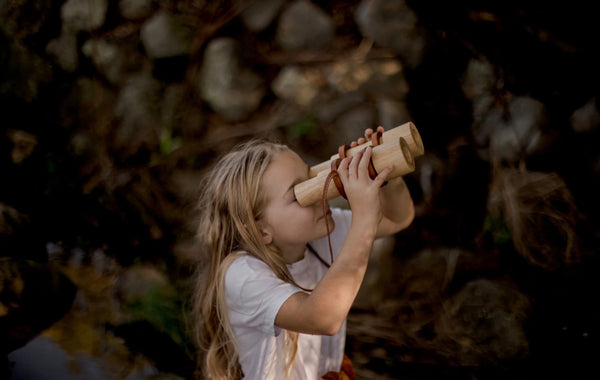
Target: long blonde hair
x,y
230,203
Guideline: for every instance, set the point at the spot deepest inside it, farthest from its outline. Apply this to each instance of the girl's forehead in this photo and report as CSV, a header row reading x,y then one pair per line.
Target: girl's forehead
x,y
287,158
284,167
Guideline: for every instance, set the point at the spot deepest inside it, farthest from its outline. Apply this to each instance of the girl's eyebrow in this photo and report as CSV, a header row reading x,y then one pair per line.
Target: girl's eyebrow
x,y
298,180
294,183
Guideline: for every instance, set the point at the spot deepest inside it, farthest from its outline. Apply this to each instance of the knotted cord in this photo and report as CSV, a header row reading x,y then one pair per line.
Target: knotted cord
x,y
334,176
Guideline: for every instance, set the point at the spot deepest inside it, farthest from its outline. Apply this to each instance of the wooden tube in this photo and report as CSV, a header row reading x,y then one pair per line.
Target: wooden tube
x,y
408,131
396,153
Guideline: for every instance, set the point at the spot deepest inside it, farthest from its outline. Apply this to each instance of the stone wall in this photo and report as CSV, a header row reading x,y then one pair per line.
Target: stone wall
x,y
113,110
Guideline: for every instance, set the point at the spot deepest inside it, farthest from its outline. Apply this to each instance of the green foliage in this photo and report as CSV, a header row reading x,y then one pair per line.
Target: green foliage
x,y
162,308
303,128
497,227
168,142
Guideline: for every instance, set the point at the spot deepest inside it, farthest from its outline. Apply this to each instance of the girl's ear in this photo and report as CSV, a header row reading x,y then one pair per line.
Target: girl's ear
x,y
265,232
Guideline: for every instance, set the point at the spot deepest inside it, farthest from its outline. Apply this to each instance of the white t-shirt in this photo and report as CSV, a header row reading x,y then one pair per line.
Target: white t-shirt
x,y
254,295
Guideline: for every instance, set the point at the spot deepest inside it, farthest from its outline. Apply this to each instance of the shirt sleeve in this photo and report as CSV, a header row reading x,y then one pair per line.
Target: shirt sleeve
x,y
254,294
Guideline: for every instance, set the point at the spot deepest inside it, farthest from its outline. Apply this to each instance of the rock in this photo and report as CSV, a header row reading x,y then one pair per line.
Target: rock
x,y
260,14
510,132
138,108
83,15
166,36
586,118
303,25
168,356
136,9
328,112
33,296
478,79
24,144
138,283
231,88
25,18
24,74
376,77
42,357
394,25
88,109
64,49
352,123
115,60
392,113
484,324
295,84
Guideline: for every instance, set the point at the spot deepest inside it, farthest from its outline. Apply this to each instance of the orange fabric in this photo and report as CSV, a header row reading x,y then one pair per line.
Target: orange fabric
x,y
346,372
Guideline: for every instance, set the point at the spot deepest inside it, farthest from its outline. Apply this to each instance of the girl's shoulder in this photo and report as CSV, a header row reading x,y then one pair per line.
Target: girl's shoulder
x,y
245,267
249,281
245,260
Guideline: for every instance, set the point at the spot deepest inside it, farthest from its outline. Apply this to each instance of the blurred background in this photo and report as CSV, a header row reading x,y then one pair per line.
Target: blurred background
x,y
112,111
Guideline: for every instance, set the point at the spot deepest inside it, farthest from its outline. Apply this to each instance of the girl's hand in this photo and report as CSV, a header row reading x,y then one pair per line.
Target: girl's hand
x,y
363,193
368,134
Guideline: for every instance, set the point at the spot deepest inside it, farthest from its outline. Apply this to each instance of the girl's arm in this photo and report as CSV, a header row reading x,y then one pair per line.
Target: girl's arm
x,y
397,208
396,201
324,310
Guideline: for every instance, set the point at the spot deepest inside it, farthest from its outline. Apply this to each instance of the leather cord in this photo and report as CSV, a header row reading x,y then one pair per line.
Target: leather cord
x,y
335,177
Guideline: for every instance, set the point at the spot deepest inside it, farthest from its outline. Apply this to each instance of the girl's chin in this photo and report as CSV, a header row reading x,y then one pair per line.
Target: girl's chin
x,y
330,221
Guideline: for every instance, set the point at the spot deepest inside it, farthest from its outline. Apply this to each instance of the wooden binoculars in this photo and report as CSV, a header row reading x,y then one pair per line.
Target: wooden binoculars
x,y
398,147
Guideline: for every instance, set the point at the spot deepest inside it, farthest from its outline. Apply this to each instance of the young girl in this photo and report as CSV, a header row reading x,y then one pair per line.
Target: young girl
x,y
271,304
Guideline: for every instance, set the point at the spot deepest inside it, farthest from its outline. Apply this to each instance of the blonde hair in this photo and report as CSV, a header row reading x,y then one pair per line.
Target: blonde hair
x,y
230,203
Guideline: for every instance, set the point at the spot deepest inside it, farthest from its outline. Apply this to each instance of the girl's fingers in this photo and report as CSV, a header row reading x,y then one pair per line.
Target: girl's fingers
x,y
368,134
343,166
353,165
383,176
358,164
359,141
365,159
